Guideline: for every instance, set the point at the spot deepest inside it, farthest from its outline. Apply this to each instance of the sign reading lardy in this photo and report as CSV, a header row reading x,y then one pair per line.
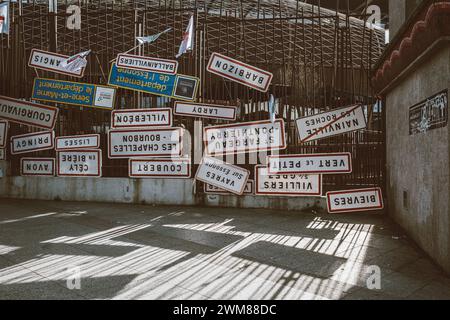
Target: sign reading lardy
x,y
240,72
330,163
3,133
331,123
145,143
286,185
82,163
202,110
37,167
255,136
32,142
222,175
160,168
355,200
134,118
51,62
86,141
24,112
249,186
147,64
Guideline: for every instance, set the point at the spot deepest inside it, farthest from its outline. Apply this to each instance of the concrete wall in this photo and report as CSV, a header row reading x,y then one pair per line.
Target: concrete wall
x,y
397,12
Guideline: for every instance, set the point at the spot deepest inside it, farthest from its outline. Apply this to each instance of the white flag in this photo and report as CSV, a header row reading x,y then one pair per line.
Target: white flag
x,y
76,62
188,39
4,17
153,38
272,108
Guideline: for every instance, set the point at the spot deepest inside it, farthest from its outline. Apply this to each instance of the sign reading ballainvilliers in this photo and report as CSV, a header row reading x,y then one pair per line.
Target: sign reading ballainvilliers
x,y
147,64
160,168
24,112
50,61
355,200
135,118
31,142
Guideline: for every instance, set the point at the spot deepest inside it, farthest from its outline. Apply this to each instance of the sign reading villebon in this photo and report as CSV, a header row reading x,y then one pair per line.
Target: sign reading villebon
x,y
132,118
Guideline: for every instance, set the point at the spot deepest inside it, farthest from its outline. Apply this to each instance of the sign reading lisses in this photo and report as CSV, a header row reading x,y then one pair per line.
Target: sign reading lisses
x,y
31,142
146,64
37,167
3,133
145,143
160,168
331,163
222,175
331,123
134,118
246,137
240,72
82,163
202,110
87,141
249,187
51,62
355,200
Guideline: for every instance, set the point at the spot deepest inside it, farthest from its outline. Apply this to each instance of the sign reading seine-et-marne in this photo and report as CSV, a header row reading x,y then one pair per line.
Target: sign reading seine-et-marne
x,y
82,163
160,168
203,110
331,123
222,175
74,93
2,154
210,189
355,200
130,61
429,114
3,133
86,141
286,185
135,118
31,142
44,167
329,163
28,113
246,137
240,72
51,62
145,143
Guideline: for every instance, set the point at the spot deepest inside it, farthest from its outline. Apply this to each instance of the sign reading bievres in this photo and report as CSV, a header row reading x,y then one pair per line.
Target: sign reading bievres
x,y
87,141
134,118
31,142
203,110
82,163
160,168
355,200
37,167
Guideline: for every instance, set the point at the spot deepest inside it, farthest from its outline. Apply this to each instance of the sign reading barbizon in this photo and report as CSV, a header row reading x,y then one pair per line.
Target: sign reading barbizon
x,y
51,62
249,187
246,137
240,72
147,64
134,118
222,175
37,167
81,163
331,123
286,185
3,133
31,142
203,110
86,141
160,168
24,112
355,200
145,143
329,163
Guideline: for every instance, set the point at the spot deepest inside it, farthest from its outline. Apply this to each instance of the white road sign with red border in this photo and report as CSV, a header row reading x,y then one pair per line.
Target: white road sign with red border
x,y
203,110
51,61
44,167
130,61
31,142
79,163
160,168
136,118
86,141
355,200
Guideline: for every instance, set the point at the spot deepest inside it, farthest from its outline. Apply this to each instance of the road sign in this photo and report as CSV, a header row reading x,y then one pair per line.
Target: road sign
x,y
160,168
3,133
24,112
32,142
86,141
246,137
129,61
50,61
203,110
222,175
81,163
286,185
135,118
44,167
145,143
240,72
2,154
248,190
331,123
328,163
355,200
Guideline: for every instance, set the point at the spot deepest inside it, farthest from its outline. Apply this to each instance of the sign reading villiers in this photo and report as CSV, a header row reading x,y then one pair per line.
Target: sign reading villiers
x,y
355,200
287,185
222,175
240,72
249,186
28,113
31,142
160,168
3,133
330,163
37,167
255,136
51,62
82,163
134,118
202,110
147,64
87,141
145,143
331,123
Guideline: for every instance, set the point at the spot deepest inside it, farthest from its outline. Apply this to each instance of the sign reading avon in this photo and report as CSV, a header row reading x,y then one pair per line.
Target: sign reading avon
x,y
82,163
134,118
355,200
3,133
429,114
160,168
31,142
37,167
51,62
87,141
147,64
202,110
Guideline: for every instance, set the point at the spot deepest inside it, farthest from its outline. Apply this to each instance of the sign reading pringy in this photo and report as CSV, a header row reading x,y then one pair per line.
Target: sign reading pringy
x,y
160,168
37,167
203,110
246,137
134,118
86,141
51,62
331,123
329,163
240,72
222,175
145,143
24,112
2,154
210,189
355,200
82,163
146,64
32,142
3,133
286,185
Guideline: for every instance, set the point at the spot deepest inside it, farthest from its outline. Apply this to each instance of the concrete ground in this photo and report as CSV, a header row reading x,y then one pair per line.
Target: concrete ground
x,y
145,252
